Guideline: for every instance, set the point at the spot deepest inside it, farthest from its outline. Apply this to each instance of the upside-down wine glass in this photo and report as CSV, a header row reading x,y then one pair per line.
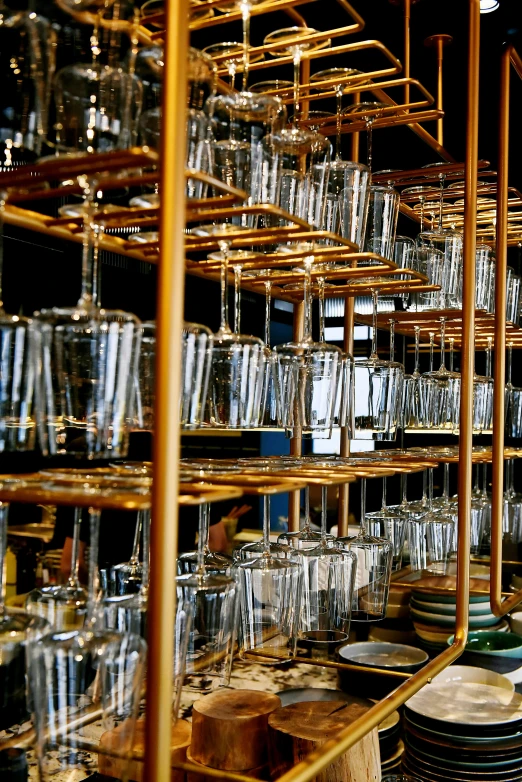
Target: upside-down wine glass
x,y
327,586
378,389
441,392
307,375
238,360
64,606
213,562
270,602
411,396
369,112
374,566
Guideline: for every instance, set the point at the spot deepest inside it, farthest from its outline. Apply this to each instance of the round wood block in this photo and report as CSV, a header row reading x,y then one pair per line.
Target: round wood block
x,y
258,773
119,767
296,730
230,729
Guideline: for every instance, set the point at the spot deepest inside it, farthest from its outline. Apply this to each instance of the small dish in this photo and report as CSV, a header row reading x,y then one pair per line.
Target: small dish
x,y
374,654
515,622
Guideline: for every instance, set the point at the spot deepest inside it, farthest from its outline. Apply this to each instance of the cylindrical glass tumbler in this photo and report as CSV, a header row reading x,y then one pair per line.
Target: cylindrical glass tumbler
x,y
196,360
383,211
86,365
348,184
73,676
17,379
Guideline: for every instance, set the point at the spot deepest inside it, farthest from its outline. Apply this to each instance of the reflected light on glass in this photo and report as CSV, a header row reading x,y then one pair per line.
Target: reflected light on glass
x,y
487,6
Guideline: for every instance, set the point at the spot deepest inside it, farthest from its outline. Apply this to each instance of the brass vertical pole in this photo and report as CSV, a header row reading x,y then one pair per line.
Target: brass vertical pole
x,y
344,489
406,63
296,442
355,136
439,42
468,323
497,496
169,316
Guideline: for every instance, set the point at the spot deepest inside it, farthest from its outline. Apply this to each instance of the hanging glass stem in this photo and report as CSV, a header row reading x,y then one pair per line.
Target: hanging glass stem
x,y
421,199
297,76
202,538
307,292
442,343
488,357
74,575
392,339
324,513
146,553
404,489
442,178
94,541
432,343
424,488
369,142
384,487
339,101
266,525
268,302
237,299
362,522
135,556
232,69
245,15
417,350
445,489
2,213
452,343
225,248
430,488
320,282
375,296
509,363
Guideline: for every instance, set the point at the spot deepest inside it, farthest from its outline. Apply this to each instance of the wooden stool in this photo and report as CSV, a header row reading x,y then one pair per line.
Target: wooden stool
x,y
296,730
230,729
114,767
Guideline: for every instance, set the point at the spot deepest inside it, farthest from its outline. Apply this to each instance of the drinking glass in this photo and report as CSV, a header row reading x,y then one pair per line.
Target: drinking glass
x,y
293,42
304,174
512,297
325,81
213,562
279,550
76,677
378,392
383,211
232,51
411,393
143,414
448,242
485,276
244,148
431,536
269,604
64,607
97,108
126,577
513,399
238,360
374,565
431,262
196,361
441,393
369,112
347,200
307,375
327,584
19,631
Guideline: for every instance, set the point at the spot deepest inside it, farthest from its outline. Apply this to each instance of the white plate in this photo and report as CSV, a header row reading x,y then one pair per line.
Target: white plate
x,y
471,673
467,703
475,609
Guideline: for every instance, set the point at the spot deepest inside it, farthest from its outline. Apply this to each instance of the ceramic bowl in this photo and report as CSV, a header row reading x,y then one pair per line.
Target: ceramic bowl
x,y
470,673
373,654
494,643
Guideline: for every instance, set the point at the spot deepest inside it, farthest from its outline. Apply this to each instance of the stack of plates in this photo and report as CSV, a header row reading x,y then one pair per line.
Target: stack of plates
x,y
434,614
465,732
390,744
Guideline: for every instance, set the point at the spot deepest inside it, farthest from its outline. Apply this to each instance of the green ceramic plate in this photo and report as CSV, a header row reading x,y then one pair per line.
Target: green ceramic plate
x,y
440,620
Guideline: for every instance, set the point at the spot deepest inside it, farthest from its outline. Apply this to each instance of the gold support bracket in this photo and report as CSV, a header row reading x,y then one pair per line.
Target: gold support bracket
x,y
438,42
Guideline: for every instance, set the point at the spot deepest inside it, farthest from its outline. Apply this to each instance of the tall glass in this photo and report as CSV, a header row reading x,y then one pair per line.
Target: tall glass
x,y
383,211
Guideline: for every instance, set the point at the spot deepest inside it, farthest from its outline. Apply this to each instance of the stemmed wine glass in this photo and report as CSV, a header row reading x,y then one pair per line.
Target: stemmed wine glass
x,y
378,390
441,393
369,111
411,395
513,399
307,375
325,81
238,360
213,562
126,578
233,52
270,602
64,607
374,565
